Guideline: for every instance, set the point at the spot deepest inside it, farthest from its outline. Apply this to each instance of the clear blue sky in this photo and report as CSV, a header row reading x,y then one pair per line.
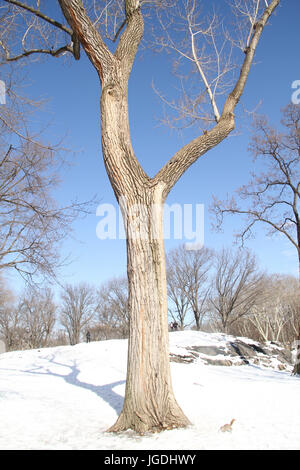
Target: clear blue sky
x,y
73,91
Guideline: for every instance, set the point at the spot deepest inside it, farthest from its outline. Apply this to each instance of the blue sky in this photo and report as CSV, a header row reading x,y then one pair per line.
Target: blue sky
x,y
72,112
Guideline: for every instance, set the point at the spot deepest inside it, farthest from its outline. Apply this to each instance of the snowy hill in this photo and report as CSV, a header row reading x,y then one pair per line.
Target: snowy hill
x,y
66,397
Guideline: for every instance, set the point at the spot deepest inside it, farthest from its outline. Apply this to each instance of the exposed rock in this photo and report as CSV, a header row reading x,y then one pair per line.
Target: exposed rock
x,y
222,362
180,358
229,351
209,350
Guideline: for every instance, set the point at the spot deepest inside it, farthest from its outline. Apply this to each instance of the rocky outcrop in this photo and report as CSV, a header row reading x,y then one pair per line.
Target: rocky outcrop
x,y
235,352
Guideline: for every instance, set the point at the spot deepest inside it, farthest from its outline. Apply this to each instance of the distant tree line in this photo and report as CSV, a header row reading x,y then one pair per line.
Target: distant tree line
x,y
208,290
227,291
34,319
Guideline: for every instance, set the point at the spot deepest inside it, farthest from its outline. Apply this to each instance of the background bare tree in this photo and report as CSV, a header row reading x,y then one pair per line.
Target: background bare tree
x,y
12,329
236,286
188,283
8,315
32,224
273,196
177,287
112,309
149,403
77,309
199,263
275,313
37,311
27,321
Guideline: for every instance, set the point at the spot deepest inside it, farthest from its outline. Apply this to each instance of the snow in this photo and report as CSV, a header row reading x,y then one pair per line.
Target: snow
x,y
67,397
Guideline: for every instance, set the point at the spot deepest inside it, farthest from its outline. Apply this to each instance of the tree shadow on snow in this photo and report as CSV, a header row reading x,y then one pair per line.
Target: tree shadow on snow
x,y
106,391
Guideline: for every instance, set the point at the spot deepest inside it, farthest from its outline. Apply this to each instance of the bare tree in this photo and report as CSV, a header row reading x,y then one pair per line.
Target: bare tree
x,y
149,403
58,338
199,265
272,197
112,308
37,312
177,288
275,312
12,330
8,315
236,286
27,322
77,309
274,315
32,224
187,279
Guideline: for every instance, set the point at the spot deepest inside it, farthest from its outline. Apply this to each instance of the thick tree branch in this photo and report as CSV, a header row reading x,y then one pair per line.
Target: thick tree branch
x,y
236,93
187,155
89,37
132,35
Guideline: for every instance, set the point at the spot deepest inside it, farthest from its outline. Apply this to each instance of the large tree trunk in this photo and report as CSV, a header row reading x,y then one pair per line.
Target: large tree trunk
x,y
149,403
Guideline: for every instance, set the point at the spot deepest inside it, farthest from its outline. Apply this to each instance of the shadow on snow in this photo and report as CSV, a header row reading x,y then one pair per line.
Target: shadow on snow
x,y
106,392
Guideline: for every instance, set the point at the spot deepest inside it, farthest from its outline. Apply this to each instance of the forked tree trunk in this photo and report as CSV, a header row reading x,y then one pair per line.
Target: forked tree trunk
x,y
149,403
149,400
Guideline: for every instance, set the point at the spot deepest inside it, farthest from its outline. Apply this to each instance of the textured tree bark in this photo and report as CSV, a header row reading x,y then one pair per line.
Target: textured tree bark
x,y
149,403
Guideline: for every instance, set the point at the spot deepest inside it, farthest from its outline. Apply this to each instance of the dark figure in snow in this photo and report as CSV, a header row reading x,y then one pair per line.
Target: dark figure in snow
x,y
174,326
88,337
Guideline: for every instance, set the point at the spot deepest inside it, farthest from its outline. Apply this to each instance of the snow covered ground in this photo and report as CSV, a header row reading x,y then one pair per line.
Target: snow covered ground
x,y
66,398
